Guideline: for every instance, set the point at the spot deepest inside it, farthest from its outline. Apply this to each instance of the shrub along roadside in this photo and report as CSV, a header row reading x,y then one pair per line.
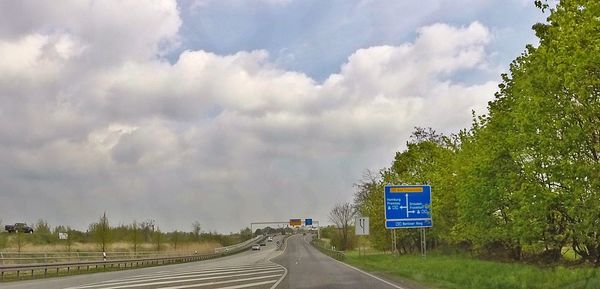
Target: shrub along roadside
x,y
457,271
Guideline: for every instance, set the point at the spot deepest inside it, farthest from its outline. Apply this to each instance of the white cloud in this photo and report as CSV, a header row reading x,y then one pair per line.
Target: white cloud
x,y
93,113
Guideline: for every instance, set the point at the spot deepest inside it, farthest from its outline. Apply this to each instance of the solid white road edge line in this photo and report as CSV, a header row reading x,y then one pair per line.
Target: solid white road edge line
x,y
371,275
366,273
285,242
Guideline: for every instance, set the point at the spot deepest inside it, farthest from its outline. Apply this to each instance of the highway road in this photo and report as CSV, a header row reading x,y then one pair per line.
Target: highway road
x,y
246,270
309,268
299,265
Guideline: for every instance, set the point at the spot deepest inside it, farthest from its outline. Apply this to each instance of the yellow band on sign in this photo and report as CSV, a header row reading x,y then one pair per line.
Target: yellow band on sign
x,y
406,190
295,222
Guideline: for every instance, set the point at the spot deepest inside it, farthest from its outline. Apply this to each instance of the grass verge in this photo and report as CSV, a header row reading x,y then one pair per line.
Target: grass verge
x,y
463,272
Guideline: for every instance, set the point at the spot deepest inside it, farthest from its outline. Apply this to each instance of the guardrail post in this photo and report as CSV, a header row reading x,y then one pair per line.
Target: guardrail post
x,y
17,274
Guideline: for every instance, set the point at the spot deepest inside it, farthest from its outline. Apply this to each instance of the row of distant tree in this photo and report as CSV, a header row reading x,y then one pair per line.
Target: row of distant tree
x,y
272,231
103,234
524,180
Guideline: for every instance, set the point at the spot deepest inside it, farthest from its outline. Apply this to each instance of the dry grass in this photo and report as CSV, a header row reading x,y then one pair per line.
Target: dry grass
x,y
204,247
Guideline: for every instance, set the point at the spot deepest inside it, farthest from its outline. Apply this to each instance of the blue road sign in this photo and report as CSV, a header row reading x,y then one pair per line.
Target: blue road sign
x,y
307,222
407,206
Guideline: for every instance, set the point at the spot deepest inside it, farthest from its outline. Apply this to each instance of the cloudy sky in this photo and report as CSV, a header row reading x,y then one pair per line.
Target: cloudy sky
x,y
231,111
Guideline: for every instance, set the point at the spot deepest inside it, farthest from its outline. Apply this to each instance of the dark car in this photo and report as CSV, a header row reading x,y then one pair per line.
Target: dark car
x,y
19,227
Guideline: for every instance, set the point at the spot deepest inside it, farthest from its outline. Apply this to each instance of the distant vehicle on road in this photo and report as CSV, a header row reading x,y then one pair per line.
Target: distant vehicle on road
x,y
255,247
19,227
263,244
270,239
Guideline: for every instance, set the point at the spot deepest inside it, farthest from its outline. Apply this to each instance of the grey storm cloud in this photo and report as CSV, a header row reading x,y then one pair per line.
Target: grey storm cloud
x,y
93,118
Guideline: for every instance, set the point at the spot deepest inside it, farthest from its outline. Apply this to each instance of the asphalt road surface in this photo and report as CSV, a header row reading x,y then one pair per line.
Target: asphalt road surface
x,y
310,269
299,265
246,270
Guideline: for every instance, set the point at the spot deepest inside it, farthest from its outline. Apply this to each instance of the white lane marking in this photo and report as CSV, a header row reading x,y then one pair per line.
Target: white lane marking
x,y
178,275
249,265
190,280
247,285
195,270
220,282
285,243
136,277
178,271
175,276
368,274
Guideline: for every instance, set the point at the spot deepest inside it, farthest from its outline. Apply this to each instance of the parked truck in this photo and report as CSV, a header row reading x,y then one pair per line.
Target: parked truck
x,y
19,227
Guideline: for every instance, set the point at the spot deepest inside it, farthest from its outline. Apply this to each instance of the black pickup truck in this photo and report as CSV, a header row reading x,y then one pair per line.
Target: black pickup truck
x,y
19,227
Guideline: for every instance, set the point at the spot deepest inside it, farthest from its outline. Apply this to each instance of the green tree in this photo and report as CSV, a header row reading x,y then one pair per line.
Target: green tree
x,y
175,239
135,236
158,239
42,227
550,104
245,234
486,194
342,215
196,230
101,232
19,240
368,201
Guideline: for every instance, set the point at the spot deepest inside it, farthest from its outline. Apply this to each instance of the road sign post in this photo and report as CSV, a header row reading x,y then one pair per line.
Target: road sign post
x,y
361,228
408,206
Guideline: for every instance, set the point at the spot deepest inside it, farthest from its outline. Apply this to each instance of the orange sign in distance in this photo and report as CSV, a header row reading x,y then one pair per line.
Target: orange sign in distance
x,y
406,190
295,222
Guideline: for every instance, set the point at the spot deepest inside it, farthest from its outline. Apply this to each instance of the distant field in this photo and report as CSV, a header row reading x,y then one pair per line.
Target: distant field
x,y
204,247
50,253
201,247
463,272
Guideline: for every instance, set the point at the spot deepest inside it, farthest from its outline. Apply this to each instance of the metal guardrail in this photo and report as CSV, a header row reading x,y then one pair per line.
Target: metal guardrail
x,y
70,267
338,255
233,247
14,258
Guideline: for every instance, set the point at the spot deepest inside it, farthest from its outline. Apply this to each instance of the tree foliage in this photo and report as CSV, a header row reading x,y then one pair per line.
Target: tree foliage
x,y
101,232
342,215
524,179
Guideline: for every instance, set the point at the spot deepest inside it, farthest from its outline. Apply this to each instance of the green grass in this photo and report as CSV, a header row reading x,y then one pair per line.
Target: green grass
x,y
463,272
